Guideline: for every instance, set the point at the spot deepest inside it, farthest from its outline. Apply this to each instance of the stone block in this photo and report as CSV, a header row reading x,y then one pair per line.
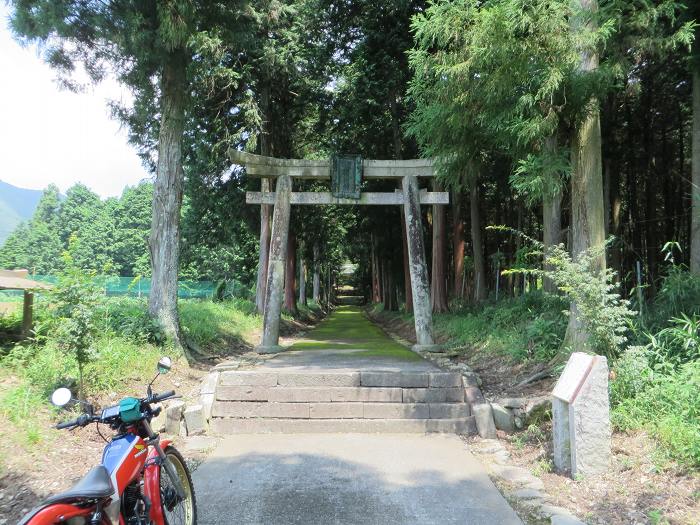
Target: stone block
x,y
366,394
470,379
207,401
483,417
209,383
449,410
299,395
396,411
512,402
320,379
248,378
242,393
474,395
194,419
537,408
395,379
445,379
173,415
503,418
336,410
253,409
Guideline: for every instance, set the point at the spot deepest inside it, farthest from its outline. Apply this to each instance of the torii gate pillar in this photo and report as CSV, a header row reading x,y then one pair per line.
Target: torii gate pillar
x,y
274,291
422,313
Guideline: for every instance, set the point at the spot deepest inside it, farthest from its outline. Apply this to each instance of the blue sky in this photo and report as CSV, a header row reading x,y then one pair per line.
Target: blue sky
x,y
52,136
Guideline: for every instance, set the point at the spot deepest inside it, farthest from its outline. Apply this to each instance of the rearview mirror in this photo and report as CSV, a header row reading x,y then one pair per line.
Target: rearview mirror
x,y
164,365
61,397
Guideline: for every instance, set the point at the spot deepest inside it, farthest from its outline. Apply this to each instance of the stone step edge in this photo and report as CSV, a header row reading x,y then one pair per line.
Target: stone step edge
x,y
327,394
267,410
349,378
227,426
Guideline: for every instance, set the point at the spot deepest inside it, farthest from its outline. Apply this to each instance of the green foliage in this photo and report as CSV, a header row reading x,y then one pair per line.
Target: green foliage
x,y
74,301
668,407
218,324
604,313
530,326
676,344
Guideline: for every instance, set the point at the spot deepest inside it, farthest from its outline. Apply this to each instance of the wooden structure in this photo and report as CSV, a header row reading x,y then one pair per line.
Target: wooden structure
x,y
345,174
19,280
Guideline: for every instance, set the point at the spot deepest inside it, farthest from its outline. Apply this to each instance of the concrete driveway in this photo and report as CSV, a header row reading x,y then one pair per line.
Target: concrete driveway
x,y
347,479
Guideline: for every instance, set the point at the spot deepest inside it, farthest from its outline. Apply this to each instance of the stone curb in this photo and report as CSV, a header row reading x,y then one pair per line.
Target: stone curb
x,y
527,489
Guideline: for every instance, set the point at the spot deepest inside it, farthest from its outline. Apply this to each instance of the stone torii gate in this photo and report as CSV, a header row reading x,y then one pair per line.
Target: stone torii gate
x,y
346,173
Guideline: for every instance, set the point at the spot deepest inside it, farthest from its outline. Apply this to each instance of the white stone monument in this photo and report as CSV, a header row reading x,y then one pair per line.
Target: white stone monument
x,y
581,416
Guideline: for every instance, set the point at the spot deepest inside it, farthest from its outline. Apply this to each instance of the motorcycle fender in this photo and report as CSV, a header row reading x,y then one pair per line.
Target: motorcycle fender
x,y
151,483
59,513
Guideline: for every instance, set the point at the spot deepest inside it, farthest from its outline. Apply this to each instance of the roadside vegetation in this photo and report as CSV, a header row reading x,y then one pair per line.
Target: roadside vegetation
x,y
655,369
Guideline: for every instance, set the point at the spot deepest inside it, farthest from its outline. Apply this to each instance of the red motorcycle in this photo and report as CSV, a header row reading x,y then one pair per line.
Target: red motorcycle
x,y
141,481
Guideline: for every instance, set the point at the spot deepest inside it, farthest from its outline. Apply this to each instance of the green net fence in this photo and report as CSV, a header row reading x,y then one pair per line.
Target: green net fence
x,y
133,286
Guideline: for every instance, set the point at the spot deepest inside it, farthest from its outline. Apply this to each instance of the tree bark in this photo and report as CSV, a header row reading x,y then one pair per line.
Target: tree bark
x,y
164,241
695,216
438,287
317,274
290,274
458,244
587,215
551,219
265,209
302,280
480,291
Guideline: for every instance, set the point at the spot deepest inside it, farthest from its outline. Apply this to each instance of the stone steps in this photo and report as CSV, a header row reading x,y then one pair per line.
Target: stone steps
x,y
303,400
359,426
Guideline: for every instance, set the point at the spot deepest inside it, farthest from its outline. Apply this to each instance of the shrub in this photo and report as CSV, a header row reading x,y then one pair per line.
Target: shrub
x,y
605,315
632,374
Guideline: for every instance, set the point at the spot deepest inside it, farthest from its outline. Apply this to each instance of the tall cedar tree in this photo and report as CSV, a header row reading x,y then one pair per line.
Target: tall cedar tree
x,y
146,46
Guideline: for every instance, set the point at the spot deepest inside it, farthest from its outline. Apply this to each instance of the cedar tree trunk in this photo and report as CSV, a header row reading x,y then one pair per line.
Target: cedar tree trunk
x,y
290,273
458,244
551,218
164,241
695,184
438,285
587,215
480,292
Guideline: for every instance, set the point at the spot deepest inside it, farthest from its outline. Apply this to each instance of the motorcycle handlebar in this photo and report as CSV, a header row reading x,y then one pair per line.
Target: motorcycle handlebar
x,y
81,421
162,397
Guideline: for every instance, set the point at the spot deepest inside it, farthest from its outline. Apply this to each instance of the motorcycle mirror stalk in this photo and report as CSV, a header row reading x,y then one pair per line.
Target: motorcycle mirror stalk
x,y
163,367
63,396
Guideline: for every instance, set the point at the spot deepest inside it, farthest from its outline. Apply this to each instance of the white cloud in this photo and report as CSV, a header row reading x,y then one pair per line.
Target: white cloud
x,y
52,136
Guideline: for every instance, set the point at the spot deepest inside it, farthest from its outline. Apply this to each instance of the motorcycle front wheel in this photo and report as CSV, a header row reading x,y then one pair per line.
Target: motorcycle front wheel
x,y
177,511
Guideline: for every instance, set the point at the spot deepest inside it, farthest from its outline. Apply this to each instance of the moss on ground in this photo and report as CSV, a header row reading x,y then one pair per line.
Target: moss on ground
x,y
348,329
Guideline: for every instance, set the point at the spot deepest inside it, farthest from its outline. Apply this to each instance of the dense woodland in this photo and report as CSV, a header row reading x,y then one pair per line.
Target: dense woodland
x,y
571,122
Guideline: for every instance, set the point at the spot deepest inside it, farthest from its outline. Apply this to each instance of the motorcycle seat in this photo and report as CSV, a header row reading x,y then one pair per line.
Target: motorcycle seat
x,y
95,485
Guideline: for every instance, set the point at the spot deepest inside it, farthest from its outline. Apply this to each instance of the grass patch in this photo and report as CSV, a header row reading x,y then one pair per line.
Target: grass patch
x,y
212,324
669,409
531,326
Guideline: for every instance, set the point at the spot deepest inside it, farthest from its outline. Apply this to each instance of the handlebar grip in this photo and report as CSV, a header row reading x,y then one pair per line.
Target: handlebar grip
x,y
67,424
163,396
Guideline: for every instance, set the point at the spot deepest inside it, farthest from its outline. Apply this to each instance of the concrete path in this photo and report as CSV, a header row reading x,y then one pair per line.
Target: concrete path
x,y
327,479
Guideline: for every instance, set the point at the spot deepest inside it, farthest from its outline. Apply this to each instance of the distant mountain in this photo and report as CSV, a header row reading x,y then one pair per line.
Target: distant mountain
x,y
16,205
